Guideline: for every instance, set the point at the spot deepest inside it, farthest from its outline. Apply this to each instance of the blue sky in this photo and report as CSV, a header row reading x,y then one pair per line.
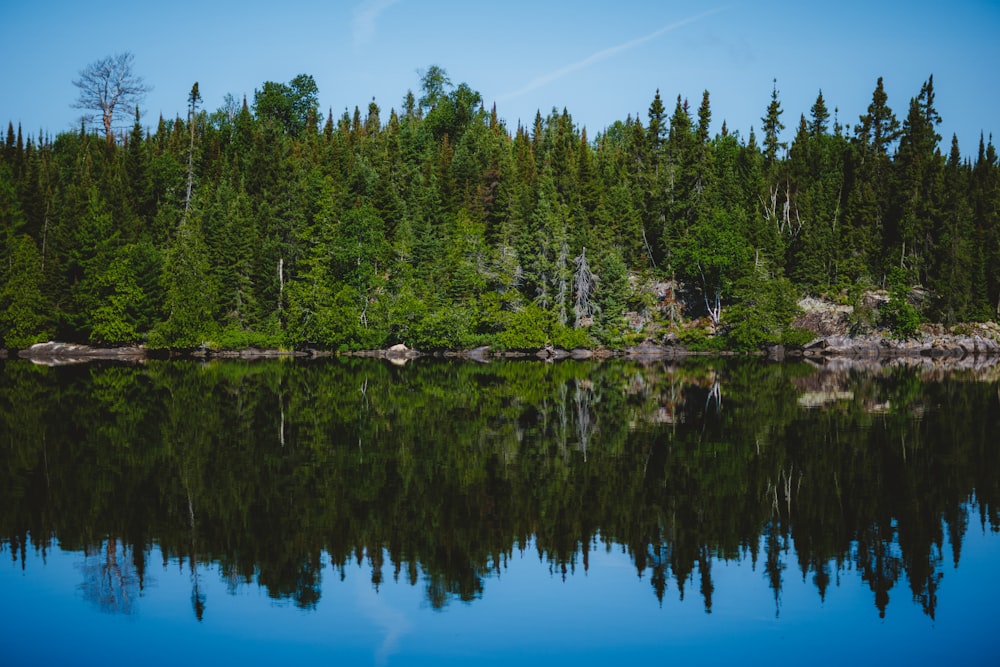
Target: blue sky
x,y
600,60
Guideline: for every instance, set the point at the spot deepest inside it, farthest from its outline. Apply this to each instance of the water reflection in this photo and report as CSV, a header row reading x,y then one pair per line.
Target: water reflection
x,y
112,577
436,473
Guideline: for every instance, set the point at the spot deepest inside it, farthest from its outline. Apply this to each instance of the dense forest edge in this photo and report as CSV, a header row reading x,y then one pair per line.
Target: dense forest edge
x,y
265,224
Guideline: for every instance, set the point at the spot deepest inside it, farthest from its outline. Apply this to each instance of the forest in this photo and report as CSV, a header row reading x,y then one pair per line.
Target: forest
x,y
267,223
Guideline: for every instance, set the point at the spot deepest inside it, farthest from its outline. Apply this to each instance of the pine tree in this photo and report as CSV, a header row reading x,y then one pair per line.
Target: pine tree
x,y
189,290
868,175
24,311
819,117
681,181
879,129
985,201
772,126
952,273
918,167
137,170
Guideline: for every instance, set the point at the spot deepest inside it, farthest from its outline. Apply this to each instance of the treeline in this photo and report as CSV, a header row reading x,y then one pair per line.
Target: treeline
x,y
264,223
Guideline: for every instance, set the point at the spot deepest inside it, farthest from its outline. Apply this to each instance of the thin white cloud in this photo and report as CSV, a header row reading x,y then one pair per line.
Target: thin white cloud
x,y
365,15
604,54
392,622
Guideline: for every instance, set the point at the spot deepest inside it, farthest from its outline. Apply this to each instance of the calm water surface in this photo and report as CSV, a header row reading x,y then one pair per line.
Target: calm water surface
x,y
355,512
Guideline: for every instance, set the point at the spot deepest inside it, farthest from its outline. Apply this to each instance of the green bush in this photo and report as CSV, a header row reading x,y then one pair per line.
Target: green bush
x,y
797,336
567,338
443,329
234,337
765,307
528,329
699,340
899,315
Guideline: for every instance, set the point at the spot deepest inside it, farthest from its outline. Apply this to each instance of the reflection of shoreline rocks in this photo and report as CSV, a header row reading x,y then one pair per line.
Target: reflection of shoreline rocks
x,y
59,354
975,364
932,346
835,378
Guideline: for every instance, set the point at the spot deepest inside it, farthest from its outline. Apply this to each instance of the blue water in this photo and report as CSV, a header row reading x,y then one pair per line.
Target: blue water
x,y
527,615
273,503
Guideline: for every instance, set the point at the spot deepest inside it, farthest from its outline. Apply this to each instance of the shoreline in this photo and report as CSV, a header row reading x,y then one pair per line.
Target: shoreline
x,y
939,348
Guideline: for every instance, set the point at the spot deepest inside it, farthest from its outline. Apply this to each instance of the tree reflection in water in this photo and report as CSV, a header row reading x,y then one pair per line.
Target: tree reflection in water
x,y
437,472
111,579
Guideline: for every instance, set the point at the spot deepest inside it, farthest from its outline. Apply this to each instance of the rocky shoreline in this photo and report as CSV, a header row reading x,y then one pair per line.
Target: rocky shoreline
x,y
61,354
931,346
935,346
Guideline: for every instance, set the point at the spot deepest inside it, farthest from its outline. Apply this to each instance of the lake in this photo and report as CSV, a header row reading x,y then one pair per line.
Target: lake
x,y
352,511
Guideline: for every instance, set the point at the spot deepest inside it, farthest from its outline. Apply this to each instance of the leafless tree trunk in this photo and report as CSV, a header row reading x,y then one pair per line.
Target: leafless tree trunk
x,y
585,284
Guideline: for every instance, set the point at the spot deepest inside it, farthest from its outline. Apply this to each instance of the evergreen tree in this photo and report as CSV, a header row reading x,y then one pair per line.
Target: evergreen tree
x,y
652,181
772,126
985,200
189,290
24,311
868,176
440,227
919,168
819,117
815,172
954,263
115,318
681,181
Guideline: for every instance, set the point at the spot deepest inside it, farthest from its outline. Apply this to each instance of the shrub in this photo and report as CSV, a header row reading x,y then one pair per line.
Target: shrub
x,y
442,329
899,315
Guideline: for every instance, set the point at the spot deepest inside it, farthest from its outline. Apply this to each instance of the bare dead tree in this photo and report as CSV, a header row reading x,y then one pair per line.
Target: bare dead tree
x,y
585,283
783,220
563,283
108,87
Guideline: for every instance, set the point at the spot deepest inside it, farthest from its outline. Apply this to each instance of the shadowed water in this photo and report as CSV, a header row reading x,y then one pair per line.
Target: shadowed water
x,y
447,511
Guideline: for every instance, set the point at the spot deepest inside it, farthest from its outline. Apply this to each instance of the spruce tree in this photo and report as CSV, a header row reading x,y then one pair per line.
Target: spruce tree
x,y
953,269
24,312
918,168
772,127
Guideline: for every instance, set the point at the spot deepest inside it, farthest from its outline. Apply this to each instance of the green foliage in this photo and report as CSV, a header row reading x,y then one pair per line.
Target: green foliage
x,y
713,255
439,224
189,292
796,336
235,337
899,315
613,290
698,339
530,328
294,107
568,338
343,323
24,316
443,329
533,328
765,308
113,321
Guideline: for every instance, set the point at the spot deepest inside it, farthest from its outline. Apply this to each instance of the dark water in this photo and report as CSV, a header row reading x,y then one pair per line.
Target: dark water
x,y
355,512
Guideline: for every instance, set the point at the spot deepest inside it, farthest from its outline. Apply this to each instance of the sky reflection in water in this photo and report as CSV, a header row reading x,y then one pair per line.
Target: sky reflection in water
x,y
528,614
